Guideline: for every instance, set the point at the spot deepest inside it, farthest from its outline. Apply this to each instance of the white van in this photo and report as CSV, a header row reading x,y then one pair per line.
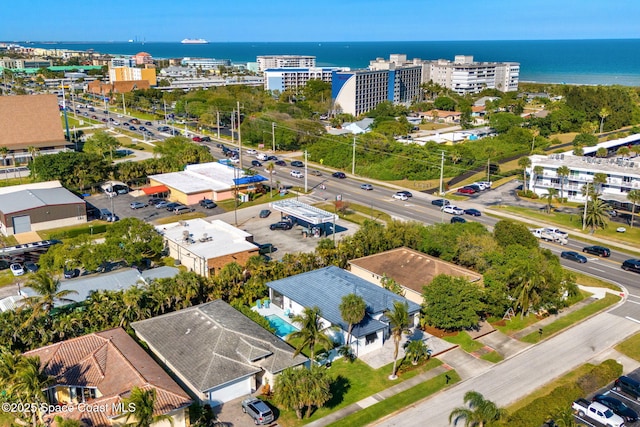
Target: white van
x,y
261,156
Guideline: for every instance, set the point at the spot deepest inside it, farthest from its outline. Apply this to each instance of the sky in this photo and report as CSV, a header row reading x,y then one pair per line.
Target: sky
x,y
325,20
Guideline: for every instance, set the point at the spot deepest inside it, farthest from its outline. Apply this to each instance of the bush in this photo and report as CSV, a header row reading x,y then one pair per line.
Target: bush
x,y
529,194
97,229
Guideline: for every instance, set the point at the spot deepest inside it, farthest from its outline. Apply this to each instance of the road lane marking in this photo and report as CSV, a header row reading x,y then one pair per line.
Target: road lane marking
x,y
632,319
597,269
633,295
634,302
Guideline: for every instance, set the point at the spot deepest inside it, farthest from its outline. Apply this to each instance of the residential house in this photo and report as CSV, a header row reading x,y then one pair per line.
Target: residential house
x,y
216,352
441,116
324,288
99,371
410,269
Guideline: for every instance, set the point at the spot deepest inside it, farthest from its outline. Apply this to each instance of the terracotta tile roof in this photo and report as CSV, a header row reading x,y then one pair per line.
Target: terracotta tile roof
x,y
411,269
114,363
30,120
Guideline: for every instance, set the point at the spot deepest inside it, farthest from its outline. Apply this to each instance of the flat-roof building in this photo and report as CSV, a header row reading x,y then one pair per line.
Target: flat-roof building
x,y
282,79
285,61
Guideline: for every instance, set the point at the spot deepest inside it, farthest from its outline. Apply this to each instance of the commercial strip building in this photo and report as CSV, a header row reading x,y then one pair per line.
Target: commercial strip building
x,y
213,180
285,61
206,247
623,173
39,206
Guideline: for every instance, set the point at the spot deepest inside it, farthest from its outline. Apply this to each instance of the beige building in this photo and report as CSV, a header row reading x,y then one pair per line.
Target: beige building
x,y
127,74
205,247
410,269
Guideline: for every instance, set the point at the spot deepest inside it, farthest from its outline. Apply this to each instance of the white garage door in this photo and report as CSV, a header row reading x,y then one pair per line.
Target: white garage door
x,y
230,391
21,224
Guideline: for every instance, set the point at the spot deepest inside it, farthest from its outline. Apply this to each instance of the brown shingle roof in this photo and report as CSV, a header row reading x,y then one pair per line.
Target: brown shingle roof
x,y
30,120
411,269
114,363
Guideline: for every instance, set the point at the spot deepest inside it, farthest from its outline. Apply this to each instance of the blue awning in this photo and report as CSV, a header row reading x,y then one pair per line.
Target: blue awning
x,y
249,179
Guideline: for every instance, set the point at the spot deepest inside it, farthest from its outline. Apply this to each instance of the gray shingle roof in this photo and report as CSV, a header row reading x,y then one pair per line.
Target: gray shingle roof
x,y
325,288
30,199
212,344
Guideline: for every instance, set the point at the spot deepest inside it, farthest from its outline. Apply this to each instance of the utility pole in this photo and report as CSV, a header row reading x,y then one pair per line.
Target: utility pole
x,y
64,111
488,170
233,124
239,135
124,106
353,160
165,111
305,171
441,172
218,122
273,136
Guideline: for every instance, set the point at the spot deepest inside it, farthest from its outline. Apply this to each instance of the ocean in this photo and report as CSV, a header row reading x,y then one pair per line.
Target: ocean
x,y
593,62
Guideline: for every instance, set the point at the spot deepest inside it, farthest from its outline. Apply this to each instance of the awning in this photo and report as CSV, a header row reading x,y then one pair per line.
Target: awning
x,y
249,179
155,189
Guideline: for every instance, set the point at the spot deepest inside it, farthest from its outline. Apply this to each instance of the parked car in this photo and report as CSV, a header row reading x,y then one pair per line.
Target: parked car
x,y
628,386
480,185
258,410
597,250
458,219
137,205
399,196
315,172
573,256
467,190
112,218
450,209
208,204
367,187
171,206
296,174
179,210
472,212
281,163
440,202
406,193
70,273
297,164
16,269
162,204
154,201
31,266
205,139
631,265
264,213
266,248
256,163
281,225
339,175
617,407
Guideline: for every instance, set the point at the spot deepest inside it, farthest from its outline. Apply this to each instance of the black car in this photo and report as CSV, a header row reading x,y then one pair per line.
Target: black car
x,y
597,250
617,407
31,266
155,200
265,213
208,204
281,225
172,206
205,139
272,158
297,164
132,128
458,219
472,212
266,249
281,163
71,273
628,385
631,265
440,202
339,175
573,256
405,192
148,124
256,163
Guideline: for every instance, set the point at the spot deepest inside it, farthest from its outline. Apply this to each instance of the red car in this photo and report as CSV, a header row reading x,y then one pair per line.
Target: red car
x,y
197,139
467,190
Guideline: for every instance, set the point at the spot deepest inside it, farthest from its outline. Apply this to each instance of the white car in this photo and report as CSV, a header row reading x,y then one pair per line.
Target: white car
x,y
452,210
296,174
482,185
17,269
234,160
399,196
251,151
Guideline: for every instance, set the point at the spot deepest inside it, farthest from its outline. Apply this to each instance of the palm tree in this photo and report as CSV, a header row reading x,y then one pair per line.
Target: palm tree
x,y
143,401
563,172
352,310
535,132
48,290
634,197
597,215
311,333
551,194
604,113
527,282
599,180
270,168
623,151
602,152
287,391
524,163
416,350
537,172
635,149
316,388
399,321
478,411
4,152
29,383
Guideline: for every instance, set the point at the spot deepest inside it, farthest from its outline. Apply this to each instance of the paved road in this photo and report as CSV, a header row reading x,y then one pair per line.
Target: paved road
x,y
519,376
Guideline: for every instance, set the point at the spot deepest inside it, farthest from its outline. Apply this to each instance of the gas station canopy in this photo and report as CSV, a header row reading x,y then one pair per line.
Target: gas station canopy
x,y
305,212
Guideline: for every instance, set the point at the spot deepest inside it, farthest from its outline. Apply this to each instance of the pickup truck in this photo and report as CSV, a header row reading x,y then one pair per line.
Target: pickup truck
x,y
551,235
597,412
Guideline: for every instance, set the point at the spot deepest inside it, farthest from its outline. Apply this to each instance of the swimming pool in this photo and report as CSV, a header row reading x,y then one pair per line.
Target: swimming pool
x,y
282,328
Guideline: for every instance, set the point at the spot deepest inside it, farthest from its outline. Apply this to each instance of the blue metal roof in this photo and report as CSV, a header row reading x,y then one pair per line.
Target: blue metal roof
x,y
249,179
325,288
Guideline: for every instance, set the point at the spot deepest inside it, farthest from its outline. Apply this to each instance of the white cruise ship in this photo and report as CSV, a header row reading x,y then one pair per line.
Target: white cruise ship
x,y
194,41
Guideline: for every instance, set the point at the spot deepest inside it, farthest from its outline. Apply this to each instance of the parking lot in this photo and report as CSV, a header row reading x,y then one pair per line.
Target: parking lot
x,y
628,400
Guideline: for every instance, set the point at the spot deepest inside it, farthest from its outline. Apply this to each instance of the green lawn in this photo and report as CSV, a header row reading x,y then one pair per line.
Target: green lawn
x,y
354,382
493,357
630,347
357,213
401,400
465,342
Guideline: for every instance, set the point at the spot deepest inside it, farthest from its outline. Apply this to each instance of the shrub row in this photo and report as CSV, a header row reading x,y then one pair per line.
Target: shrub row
x,y
97,229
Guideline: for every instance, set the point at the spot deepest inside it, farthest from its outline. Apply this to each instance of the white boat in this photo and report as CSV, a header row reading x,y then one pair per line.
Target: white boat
x,y
194,41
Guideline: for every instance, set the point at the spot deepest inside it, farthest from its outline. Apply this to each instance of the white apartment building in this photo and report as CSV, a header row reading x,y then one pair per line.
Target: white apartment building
x,y
360,91
465,76
623,174
122,62
205,63
285,61
14,63
282,79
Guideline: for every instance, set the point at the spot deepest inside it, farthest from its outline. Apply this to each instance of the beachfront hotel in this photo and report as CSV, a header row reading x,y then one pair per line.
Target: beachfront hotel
x,y
623,173
282,79
285,61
